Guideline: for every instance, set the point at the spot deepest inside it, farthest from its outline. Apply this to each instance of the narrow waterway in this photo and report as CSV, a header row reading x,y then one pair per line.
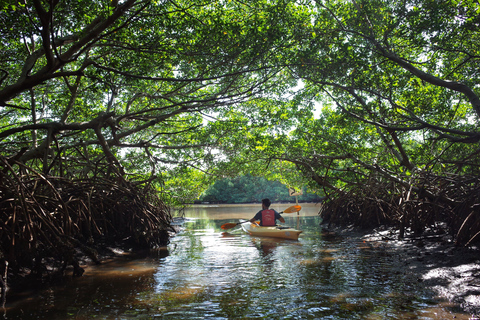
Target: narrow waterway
x,y
206,273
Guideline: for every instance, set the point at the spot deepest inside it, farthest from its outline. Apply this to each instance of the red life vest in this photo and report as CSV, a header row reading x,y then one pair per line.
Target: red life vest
x,y
268,218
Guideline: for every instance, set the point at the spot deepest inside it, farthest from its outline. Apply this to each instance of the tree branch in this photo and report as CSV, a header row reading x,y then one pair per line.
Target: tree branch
x,y
92,32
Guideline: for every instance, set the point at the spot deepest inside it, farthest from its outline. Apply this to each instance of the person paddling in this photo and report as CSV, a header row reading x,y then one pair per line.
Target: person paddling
x,y
267,216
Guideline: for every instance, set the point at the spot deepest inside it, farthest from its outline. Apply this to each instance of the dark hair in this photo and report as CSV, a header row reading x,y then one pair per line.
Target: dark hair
x,y
266,202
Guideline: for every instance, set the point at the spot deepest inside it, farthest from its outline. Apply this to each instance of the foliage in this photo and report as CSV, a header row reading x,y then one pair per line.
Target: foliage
x,y
141,79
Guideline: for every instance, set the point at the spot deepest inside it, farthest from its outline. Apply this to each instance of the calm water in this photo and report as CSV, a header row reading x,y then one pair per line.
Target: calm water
x,y
207,274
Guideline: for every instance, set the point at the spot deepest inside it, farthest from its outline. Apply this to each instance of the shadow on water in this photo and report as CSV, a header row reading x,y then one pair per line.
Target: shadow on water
x,y
102,292
211,274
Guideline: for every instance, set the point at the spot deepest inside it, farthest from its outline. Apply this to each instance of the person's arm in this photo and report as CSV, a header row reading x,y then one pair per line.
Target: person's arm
x,y
279,217
256,217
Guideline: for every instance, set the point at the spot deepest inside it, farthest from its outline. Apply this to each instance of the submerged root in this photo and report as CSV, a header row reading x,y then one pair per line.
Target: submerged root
x,y
3,280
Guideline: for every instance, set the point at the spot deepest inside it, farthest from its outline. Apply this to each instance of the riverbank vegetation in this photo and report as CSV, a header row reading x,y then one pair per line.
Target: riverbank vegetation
x,y
51,223
112,111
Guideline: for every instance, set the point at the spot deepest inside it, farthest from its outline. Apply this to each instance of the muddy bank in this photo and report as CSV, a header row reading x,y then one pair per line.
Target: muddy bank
x,y
451,272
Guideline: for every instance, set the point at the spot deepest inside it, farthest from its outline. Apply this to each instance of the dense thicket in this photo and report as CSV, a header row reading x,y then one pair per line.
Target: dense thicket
x,y
49,223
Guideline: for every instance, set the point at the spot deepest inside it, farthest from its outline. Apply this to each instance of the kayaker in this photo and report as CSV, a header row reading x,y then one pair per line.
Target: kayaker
x,y
267,217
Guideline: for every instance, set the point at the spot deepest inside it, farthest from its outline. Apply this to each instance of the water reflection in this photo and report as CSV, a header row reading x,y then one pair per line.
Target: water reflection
x,y
211,274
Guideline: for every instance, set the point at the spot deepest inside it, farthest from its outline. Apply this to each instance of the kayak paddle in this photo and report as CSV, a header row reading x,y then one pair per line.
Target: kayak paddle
x,y
292,209
230,225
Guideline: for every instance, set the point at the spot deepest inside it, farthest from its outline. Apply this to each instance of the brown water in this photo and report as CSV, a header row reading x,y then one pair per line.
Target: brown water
x,y
207,274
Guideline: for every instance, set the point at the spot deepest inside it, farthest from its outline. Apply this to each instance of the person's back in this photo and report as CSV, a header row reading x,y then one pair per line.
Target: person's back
x,y
267,216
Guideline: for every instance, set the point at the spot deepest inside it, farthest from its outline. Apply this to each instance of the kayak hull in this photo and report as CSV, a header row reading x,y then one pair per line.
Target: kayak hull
x,y
273,232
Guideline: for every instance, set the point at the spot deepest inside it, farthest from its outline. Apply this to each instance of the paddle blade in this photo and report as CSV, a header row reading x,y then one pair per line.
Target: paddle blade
x,y
228,225
292,209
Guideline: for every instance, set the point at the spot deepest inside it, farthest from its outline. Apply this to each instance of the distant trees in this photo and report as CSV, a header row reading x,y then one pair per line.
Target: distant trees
x,y
245,189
